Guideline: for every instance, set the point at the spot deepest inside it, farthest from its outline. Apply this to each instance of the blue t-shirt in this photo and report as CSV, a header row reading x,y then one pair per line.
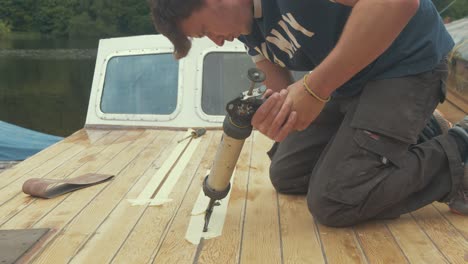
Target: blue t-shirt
x,y
298,35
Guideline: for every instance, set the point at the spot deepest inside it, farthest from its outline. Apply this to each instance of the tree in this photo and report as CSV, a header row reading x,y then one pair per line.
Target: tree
x,y
453,9
19,14
4,29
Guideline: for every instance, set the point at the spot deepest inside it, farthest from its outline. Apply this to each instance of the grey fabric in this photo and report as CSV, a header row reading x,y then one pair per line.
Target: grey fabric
x,y
359,160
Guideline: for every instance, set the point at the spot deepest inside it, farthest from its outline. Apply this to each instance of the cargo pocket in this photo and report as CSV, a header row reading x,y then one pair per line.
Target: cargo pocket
x,y
374,159
398,108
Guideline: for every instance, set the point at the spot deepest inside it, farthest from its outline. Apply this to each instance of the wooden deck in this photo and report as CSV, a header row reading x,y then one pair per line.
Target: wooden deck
x,y
99,224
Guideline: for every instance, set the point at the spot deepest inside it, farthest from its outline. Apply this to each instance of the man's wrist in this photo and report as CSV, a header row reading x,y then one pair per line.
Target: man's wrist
x,y
314,93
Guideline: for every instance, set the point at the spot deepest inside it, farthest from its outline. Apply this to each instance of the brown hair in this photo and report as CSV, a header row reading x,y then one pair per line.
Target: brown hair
x,y
166,16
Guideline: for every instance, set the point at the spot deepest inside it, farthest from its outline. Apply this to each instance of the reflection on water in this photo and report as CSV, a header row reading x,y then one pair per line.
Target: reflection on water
x,y
45,84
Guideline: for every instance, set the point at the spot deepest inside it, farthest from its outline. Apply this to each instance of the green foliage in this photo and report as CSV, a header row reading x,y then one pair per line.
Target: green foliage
x,y
452,9
107,18
78,18
4,29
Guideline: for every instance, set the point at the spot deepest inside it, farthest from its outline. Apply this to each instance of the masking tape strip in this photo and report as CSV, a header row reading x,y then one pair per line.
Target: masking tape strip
x,y
145,195
197,220
163,195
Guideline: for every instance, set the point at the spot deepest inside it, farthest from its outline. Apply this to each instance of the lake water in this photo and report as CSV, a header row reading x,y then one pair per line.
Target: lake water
x,y
45,83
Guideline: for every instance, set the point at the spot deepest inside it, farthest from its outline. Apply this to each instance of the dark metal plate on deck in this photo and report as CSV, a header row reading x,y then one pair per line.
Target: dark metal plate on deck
x,y
15,243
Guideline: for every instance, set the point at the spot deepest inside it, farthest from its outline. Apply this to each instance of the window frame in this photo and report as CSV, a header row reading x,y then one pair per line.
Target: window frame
x,y
199,82
138,117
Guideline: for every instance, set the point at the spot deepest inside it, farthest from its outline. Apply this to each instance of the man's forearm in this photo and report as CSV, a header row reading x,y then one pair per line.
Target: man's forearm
x,y
371,28
277,78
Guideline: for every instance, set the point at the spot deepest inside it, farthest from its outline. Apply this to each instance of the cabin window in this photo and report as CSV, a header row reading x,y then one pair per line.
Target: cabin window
x,y
224,78
141,84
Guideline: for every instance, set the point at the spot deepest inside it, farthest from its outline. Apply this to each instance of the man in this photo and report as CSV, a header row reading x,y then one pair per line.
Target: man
x,y
349,129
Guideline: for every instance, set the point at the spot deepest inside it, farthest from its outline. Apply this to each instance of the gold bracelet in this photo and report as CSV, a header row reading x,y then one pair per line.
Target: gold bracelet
x,y
307,88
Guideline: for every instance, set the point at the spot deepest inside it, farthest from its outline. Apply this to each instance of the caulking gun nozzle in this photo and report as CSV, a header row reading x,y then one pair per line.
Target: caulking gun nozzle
x,y
208,212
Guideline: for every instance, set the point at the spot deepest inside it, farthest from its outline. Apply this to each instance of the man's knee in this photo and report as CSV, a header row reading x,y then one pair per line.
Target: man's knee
x,y
287,181
329,212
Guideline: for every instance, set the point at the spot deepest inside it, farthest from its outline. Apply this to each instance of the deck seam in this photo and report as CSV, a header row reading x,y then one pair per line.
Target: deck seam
x,y
47,173
123,196
279,229
396,242
32,169
199,250
136,223
455,105
244,211
429,237
171,220
319,237
36,199
1,188
53,238
359,243
65,196
128,235
450,222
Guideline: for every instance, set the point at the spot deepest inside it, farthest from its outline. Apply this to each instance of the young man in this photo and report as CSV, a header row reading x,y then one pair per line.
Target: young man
x,y
349,129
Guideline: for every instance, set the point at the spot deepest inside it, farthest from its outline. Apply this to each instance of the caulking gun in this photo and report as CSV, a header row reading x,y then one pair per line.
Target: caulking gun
x,y
237,128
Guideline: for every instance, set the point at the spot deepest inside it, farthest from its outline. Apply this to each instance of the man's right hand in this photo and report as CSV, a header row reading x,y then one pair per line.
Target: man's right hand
x,y
275,118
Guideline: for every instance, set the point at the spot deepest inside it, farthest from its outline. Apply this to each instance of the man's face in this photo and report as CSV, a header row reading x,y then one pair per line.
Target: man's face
x,y
219,20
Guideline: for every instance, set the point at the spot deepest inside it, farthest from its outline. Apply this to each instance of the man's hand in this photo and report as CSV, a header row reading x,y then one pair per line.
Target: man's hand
x,y
289,110
275,118
304,104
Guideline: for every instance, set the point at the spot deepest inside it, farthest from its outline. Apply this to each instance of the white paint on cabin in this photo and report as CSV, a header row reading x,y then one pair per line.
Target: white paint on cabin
x,y
188,111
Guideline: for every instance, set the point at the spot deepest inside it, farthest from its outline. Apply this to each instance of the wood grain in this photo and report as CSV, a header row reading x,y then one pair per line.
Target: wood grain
x,y
378,243
261,237
226,248
300,238
447,239
414,242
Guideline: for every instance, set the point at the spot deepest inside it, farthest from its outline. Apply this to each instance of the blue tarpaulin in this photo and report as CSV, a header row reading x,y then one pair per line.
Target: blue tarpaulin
x,y
17,143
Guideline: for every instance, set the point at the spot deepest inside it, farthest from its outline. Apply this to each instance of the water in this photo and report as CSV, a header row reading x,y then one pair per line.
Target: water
x,y
45,83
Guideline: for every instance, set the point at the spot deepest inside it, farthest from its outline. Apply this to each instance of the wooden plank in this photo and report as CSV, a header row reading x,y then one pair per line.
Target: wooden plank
x,y
301,242
340,245
228,241
378,243
451,112
9,191
87,163
416,245
458,99
226,248
172,240
449,241
16,201
100,203
261,238
111,234
147,235
458,221
37,160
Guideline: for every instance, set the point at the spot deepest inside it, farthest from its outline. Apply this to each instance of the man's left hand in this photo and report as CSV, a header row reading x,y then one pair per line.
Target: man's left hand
x,y
304,104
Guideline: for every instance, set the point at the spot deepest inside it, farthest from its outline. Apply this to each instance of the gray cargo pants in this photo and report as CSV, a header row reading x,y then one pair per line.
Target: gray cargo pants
x,y
358,160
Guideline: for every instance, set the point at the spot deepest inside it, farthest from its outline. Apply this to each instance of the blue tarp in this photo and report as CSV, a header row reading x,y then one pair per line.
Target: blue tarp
x,y
17,143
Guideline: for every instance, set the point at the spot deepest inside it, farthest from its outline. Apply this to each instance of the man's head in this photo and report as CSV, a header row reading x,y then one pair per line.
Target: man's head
x,y
219,20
